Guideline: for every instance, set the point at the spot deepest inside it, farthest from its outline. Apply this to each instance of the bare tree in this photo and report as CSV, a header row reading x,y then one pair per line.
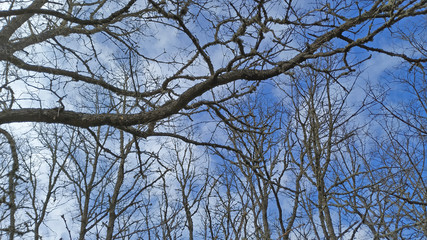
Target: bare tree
x,y
401,146
10,170
106,85
252,175
252,38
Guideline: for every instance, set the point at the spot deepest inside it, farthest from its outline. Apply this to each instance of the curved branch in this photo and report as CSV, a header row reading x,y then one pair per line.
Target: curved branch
x,y
7,31
77,77
26,13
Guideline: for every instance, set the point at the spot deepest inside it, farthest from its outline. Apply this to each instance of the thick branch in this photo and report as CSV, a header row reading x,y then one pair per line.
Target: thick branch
x,y
87,120
25,14
7,31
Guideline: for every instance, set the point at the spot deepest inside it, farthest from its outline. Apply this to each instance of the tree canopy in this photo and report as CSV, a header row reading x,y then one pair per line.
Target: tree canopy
x,y
196,119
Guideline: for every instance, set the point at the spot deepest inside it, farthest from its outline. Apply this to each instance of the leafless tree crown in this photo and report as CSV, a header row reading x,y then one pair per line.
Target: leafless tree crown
x,y
227,119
